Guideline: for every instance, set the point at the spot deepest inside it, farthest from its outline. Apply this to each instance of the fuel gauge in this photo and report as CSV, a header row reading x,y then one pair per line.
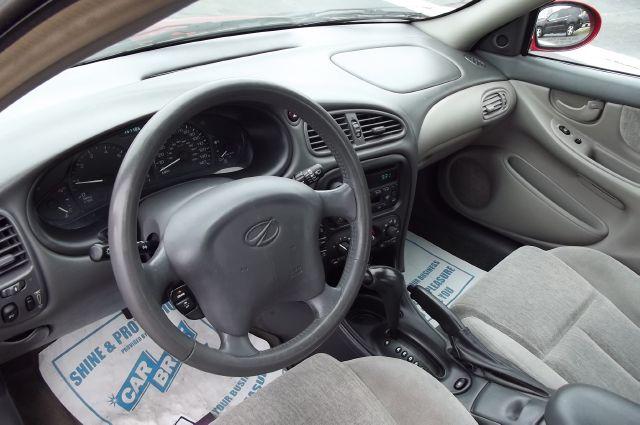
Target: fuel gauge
x,y
224,152
58,206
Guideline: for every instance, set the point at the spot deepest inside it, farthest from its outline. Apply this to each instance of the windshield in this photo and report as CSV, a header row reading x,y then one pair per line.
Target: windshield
x,y
214,18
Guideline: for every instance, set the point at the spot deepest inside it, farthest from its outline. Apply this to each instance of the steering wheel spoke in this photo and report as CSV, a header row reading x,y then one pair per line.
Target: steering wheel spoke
x,y
159,274
339,202
238,346
324,302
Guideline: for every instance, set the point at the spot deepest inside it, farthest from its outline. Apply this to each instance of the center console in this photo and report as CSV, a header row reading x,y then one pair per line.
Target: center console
x,y
390,185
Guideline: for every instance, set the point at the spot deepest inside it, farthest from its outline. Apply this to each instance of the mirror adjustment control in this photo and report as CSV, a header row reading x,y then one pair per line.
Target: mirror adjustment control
x,y
30,302
184,301
9,313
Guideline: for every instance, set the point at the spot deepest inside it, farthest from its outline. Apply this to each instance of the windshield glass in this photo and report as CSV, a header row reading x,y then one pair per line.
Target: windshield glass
x,y
213,18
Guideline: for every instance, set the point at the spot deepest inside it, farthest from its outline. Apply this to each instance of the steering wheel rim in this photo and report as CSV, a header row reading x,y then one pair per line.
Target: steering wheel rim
x,y
134,279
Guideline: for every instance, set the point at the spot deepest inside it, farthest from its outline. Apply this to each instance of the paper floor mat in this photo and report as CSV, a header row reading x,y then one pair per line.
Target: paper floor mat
x,y
443,274
112,372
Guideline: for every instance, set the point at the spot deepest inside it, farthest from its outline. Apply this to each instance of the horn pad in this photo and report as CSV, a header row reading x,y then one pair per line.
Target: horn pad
x,y
250,243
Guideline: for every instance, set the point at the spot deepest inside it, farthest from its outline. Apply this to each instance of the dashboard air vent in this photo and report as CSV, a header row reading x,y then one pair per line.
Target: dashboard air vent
x,y
361,127
315,140
494,103
12,251
376,127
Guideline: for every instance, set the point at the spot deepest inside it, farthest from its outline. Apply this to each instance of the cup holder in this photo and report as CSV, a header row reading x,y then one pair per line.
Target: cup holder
x,y
367,310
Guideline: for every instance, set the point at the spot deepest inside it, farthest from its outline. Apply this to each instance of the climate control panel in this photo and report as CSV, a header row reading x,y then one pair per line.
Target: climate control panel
x,y
335,243
390,187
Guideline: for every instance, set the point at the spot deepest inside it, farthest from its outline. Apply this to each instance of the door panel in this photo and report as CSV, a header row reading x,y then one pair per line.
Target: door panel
x,y
517,199
551,178
623,89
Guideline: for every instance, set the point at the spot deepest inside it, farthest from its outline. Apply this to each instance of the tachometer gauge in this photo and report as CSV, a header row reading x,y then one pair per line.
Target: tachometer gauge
x,y
187,151
93,174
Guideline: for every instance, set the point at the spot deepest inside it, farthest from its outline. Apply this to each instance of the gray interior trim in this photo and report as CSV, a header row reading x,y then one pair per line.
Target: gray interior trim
x,y
578,79
464,108
630,127
539,210
381,67
463,29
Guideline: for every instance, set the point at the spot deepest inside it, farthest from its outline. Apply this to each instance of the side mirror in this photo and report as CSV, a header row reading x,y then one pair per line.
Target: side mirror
x,y
565,25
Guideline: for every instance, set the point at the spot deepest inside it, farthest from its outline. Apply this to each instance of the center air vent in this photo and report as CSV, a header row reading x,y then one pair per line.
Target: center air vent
x,y
377,127
12,252
494,103
360,127
315,140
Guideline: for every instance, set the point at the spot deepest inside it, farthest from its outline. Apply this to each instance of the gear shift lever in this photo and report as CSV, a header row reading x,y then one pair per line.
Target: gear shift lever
x,y
388,283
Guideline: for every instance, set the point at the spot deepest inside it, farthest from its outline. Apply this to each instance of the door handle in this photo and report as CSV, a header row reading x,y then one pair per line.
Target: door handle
x,y
585,113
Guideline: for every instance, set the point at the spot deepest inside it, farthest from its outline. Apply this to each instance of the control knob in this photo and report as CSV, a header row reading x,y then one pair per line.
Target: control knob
x,y
392,231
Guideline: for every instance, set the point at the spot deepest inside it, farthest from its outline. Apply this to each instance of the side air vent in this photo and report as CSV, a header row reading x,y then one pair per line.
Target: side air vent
x,y
315,140
494,103
360,127
377,127
12,252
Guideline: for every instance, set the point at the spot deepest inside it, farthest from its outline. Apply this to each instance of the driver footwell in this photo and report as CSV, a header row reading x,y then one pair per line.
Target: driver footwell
x,y
112,372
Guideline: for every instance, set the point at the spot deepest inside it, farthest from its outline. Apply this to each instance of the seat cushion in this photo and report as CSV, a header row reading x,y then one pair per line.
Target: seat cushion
x,y
370,390
569,315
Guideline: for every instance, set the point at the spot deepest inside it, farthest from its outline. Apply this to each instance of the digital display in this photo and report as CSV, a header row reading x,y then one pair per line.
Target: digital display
x,y
386,176
382,177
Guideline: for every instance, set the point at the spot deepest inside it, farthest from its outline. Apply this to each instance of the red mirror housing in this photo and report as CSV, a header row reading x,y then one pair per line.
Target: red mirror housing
x,y
564,25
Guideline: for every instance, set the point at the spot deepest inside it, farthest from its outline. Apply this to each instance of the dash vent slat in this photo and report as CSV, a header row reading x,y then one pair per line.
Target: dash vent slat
x,y
12,251
369,126
315,140
494,104
377,126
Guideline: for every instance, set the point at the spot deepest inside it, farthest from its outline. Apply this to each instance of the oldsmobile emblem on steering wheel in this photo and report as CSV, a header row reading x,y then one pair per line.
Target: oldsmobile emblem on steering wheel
x,y
262,233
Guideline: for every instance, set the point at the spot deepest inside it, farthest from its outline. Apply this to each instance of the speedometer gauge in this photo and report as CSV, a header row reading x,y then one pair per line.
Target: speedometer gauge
x,y
187,151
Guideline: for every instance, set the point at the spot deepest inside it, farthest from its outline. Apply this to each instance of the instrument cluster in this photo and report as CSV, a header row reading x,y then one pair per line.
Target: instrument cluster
x,y
75,193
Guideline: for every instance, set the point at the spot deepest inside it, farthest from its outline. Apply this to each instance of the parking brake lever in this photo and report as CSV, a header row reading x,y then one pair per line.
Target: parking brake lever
x,y
448,321
467,348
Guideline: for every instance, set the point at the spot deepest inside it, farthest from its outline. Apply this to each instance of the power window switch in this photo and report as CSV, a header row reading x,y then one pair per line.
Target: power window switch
x,y
9,312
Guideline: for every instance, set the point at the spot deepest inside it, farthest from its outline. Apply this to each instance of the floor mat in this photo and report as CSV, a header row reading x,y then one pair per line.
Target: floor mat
x,y
112,372
443,274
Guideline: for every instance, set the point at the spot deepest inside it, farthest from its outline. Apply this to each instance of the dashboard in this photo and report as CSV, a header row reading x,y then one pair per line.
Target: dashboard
x,y
71,134
75,193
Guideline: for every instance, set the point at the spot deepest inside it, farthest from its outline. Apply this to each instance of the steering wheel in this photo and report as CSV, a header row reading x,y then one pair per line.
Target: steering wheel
x,y
240,246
